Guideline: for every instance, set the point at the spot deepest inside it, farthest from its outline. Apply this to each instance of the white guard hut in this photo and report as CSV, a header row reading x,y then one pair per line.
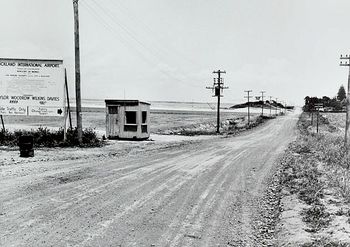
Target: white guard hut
x,y
127,119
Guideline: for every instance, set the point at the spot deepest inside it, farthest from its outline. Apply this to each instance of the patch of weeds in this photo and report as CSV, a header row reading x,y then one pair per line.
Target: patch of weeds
x,y
302,176
324,242
228,127
342,212
316,217
189,132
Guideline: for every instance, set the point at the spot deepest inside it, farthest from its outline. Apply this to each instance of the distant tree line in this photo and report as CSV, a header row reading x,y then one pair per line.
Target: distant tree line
x,y
336,103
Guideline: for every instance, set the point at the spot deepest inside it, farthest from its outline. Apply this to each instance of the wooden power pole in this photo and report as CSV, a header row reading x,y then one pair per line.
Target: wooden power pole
x,y
276,109
270,104
248,97
77,71
262,105
285,107
218,86
347,122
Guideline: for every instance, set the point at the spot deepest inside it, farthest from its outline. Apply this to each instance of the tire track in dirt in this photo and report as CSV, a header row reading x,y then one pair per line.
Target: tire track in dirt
x,y
166,190
204,203
169,170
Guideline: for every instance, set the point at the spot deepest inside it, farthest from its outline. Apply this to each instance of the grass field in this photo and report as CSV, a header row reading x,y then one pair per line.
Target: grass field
x,y
161,120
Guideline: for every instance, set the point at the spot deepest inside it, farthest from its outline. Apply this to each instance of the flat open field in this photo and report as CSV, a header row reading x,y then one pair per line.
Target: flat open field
x,y
95,118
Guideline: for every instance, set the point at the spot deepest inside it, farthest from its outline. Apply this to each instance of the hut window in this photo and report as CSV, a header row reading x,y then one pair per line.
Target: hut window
x,y
144,117
132,128
130,117
144,128
113,109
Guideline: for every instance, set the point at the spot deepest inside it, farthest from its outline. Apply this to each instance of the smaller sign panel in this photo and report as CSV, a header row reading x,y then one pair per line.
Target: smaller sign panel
x,y
45,111
319,105
13,110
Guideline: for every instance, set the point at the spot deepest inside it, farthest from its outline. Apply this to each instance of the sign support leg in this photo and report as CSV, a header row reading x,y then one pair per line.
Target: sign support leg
x,y
318,113
65,125
68,103
3,125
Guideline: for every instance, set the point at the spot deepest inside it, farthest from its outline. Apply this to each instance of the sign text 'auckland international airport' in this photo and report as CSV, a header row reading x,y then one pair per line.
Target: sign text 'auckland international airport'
x,y
31,87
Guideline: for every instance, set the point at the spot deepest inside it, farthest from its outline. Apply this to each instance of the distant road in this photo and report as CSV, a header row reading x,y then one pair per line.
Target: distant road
x,y
199,194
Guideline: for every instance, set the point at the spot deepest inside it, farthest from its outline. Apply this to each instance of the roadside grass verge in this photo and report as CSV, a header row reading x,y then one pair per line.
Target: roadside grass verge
x,y
301,176
229,127
325,242
312,165
44,137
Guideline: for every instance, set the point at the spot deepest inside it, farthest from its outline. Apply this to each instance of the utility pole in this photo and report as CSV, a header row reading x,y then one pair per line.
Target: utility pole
x,y
262,105
218,86
281,108
248,97
276,109
347,123
270,104
77,71
285,107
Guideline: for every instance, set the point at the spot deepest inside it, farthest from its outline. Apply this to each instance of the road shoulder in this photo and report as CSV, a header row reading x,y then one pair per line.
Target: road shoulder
x,y
314,204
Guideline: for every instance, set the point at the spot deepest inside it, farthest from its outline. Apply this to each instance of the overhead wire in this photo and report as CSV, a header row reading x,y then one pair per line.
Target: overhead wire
x,y
127,44
110,28
132,36
170,51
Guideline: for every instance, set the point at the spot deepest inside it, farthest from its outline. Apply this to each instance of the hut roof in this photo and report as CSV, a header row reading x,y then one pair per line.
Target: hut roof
x,y
123,102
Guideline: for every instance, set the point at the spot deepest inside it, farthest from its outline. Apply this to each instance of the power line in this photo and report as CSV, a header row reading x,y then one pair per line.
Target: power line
x,y
127,44
152,51
173,51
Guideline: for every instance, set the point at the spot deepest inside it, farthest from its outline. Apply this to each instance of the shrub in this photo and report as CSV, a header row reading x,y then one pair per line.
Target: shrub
x,y
44,137
316,217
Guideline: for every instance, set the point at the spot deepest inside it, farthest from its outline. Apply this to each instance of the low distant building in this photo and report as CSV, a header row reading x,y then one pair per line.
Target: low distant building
x,y
328,109
127,119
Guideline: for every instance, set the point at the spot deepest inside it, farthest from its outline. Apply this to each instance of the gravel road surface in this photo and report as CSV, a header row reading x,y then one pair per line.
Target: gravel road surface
x,y
200,193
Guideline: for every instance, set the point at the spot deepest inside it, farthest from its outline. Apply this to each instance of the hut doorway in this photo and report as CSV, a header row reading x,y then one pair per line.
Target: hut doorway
x,y
113,120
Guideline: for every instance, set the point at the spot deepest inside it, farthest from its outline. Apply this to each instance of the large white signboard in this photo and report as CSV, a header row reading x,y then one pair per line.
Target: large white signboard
x,y
31,87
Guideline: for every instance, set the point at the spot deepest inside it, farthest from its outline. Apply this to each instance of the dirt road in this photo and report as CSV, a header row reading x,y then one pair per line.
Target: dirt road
x,y
197,193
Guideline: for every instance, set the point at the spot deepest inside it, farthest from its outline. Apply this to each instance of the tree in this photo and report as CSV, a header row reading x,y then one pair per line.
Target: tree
x,y
310,103
335,104
307,102
341,93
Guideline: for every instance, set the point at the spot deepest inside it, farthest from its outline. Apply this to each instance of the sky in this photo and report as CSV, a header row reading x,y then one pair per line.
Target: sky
x,y
167,50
